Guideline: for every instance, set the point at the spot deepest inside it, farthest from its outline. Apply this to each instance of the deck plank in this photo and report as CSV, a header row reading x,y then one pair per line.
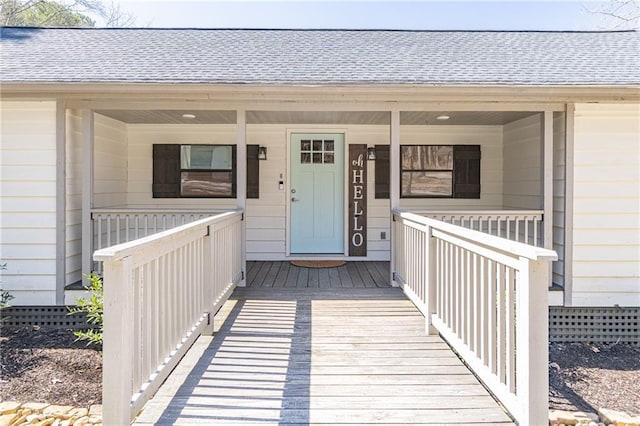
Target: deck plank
x,y
321,356
282,274
345,279
356,279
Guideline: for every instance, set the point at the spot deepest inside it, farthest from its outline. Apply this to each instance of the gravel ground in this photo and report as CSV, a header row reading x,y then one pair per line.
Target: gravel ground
x,y
46,365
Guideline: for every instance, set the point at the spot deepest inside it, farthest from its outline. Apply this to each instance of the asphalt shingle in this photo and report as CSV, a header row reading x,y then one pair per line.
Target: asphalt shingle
x,y
319,57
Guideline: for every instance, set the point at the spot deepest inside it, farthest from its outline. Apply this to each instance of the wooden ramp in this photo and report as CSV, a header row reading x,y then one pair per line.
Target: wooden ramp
x,y
321,356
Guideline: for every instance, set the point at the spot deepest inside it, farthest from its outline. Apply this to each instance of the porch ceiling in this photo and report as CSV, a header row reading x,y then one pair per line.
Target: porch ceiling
x,y
457,118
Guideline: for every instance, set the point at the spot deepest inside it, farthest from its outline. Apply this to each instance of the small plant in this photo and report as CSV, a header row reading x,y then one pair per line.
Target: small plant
x,y
5,297
93,308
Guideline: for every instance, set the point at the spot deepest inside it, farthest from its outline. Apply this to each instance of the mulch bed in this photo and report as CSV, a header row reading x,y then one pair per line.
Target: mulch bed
x,y
39,364
46,365
585,377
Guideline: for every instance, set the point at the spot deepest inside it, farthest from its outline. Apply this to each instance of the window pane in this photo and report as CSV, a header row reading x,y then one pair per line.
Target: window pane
x,y
328,158
206,157
427,157
206,184
317,145
305,158
426,184
305,145
317,158
328,145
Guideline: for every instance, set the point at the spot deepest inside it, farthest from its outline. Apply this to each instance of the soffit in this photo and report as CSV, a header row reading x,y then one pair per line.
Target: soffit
x,y
457,118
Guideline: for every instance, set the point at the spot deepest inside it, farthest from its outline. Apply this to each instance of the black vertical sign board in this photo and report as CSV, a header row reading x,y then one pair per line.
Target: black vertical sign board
x,y
358,200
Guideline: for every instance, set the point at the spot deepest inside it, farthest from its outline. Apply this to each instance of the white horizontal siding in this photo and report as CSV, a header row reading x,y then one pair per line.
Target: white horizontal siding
x,y
491,166
73,216
142,137
110,162
28,201
606,225
523,163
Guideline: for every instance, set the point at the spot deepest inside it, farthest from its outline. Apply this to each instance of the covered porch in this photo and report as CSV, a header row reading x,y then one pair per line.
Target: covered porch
x,y
520,172
458,198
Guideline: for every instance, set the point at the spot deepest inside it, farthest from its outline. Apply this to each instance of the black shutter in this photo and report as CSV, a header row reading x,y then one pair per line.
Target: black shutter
x,y
466,171
382,171
253,172
166,171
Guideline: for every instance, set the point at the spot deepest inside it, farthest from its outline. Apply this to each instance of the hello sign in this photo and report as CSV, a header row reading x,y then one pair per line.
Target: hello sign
x,y
357,200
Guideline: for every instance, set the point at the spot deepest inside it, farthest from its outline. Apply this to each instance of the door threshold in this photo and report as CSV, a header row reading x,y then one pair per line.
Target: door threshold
x,y
314,256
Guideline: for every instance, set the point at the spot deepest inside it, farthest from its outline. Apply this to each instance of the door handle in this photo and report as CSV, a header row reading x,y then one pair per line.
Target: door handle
x,y
294,199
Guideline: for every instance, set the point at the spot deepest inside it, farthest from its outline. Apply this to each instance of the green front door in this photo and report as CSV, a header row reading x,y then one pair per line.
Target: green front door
x,y
317,197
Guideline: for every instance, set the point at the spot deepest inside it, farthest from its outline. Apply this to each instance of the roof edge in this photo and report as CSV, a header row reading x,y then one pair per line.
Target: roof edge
x,y
322,30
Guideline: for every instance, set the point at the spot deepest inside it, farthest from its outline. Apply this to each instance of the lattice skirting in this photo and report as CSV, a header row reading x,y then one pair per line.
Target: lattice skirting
x,y
598,325
49,316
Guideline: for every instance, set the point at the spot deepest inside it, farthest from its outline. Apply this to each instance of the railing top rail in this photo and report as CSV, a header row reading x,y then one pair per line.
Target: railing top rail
x,y
123,210
504,245
502,212
123,250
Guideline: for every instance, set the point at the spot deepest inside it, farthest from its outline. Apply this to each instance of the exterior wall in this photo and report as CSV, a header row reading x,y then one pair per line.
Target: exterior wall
x,y
523,163
28,201
559,153
110,162
266,216
491,166
139,171
606,222
73,203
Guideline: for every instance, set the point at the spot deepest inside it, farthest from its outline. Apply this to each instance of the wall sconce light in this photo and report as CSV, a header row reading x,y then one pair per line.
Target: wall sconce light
x,y
371,153
262,153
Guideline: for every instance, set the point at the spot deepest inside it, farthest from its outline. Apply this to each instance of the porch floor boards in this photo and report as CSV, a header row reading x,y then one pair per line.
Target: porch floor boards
x,y
372,274
320,356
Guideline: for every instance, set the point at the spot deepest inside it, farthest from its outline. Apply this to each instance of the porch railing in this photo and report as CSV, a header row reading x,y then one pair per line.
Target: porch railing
x,y
160,294
487,296
116,226
524,226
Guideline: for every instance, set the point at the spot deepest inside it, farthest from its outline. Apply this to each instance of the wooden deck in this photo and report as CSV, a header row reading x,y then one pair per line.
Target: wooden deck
x,y
351,275
320,356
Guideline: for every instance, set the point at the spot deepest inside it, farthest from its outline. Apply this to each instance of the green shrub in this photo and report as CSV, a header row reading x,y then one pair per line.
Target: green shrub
x,y
5,296
93,308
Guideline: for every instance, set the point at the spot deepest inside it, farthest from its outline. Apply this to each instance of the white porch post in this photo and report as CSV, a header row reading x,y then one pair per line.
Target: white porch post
x,y
61,201
241,185
87,190
547,152
394,180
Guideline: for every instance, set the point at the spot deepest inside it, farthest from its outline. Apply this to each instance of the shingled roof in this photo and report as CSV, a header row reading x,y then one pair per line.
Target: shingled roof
x,y
340,57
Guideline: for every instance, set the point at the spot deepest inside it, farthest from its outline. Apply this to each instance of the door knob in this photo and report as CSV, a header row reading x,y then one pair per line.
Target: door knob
x,y
294,199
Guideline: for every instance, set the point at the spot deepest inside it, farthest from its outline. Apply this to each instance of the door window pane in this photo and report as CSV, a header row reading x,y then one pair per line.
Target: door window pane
x,y
328,158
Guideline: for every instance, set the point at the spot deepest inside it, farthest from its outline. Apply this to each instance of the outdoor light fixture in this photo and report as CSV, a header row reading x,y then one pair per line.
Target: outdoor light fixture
x,y
262,153
442,117
189,116
371,153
